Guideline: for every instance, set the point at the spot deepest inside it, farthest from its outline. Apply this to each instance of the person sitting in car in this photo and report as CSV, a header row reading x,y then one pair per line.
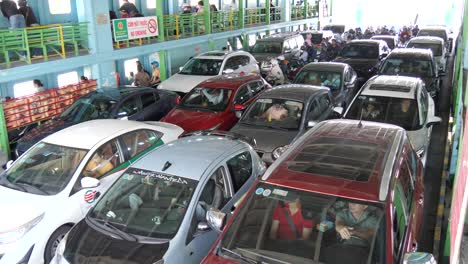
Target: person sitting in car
x,y
214,97
404,114
98,165
275,112
370,112
356,225
289,223
332,81
312,78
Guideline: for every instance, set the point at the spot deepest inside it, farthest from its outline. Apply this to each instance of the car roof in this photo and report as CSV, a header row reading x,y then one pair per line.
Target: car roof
x,y
367,41
279,36
229,81
325,159
296,92
87,134
433,28
410,52
427,39
326,66
392,86
190,156
116,93
220,54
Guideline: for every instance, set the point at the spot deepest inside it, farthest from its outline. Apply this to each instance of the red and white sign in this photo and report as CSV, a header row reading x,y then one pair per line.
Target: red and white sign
x,y
459,200
89,196
142,27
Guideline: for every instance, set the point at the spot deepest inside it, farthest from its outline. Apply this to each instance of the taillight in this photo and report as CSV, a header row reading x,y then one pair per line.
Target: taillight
x,y
177,100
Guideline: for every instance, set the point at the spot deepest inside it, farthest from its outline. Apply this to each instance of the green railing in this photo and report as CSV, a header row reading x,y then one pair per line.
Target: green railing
x,y
50,40
224,21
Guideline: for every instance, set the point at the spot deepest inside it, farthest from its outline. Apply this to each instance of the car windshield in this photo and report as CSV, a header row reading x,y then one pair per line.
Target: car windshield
x,y
407,67
331,80
397,111
208,67
45,169
145,203
360,51
209,99
433,33
390,42
274,113
267,47
435,48
283,225
88,108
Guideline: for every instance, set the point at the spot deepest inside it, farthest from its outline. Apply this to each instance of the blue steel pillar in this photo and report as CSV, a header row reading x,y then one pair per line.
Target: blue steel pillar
x,y
96,13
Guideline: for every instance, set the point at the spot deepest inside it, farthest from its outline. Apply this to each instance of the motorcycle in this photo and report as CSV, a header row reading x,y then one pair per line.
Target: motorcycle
x,y
271,71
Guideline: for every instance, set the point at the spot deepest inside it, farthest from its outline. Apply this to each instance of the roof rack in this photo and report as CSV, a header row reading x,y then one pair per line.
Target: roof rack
x,y
219,133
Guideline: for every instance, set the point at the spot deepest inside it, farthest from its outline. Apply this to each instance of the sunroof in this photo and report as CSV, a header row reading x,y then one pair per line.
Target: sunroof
x,y
392,88
340,158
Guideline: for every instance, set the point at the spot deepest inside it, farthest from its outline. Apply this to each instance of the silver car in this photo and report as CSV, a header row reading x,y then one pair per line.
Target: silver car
x,y
397,100
156,211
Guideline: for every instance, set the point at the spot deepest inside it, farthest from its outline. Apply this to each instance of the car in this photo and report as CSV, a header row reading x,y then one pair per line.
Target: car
x,y
335,28
436,45
339,77
276,45
200,110
155,212
414,63
132,103
53,184
338,168
208,65
391,40
437,31
282,114
316,36
401,101
365,56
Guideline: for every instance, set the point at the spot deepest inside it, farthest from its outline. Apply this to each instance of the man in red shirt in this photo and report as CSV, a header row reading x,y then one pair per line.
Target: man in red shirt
x,y
281,227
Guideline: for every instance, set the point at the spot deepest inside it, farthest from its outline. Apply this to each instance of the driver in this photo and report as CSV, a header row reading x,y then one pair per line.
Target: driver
x,y
356,224
98,165
215,97
332,81
275,112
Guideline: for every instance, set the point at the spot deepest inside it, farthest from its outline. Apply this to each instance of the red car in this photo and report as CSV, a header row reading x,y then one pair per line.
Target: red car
x,y
213,103
345,192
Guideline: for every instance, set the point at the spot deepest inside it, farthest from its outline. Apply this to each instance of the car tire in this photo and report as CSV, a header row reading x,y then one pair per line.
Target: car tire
x,y
53,242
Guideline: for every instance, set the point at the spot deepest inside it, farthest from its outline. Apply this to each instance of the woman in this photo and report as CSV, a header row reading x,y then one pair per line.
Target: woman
x,y
289,223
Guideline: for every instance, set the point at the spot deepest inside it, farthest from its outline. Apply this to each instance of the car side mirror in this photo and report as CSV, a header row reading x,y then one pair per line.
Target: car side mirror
x,y
89,182
181,68
338,109
228,71
419,258
311,124
7,165
122,115
216,219
433,121
239,107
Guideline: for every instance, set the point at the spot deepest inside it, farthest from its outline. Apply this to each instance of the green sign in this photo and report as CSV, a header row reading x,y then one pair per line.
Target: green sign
x,y
120,29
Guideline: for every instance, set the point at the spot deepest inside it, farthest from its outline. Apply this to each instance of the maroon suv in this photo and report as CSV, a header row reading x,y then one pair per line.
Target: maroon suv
x,y
345,192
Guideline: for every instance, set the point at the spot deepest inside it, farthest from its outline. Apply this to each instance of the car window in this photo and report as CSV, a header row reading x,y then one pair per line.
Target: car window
x,y
106,158
408,67
233,63
148,100
240,169
243,94
256,87
324,102
314,110
129,107
407,183
207,99
216,190
424,104
287,46
300,41
400,221
138,141
244,60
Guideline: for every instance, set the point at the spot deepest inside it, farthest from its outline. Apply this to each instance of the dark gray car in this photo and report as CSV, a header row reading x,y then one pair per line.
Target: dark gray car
x,y
339,77
276,45
282,114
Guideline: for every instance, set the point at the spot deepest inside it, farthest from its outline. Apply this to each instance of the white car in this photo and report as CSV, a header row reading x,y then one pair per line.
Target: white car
x,y
397,100
437,31
53,185
207,65
436,45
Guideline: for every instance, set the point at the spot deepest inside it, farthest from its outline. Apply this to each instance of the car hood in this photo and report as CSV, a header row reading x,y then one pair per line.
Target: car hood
x,y
265,56
267,139
191,120
183,83
18,208
87,245
40,132
358,63
418,139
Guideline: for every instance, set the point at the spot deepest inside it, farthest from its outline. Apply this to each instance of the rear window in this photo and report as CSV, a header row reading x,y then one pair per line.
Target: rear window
x,y
339,158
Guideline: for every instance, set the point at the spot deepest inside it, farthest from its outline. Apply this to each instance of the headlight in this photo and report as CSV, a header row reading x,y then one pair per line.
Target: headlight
x,y
61,249
19,232
279,151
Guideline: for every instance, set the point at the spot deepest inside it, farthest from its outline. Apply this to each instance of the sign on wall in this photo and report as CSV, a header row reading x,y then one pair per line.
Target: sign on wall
x,y
135,28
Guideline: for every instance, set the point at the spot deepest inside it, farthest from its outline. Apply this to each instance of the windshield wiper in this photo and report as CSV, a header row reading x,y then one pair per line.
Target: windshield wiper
x,y
13,185
240,256
121,233
33,187
106,226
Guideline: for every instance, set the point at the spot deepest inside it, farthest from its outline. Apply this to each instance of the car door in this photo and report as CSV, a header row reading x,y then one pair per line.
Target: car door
x,y
349,85
325,104
104,164
426,110
129,109
152,108
137,143
237,176
400,222
234,63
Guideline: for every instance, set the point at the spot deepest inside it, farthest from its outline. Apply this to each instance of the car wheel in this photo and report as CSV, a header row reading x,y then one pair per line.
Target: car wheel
x,y
53,242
